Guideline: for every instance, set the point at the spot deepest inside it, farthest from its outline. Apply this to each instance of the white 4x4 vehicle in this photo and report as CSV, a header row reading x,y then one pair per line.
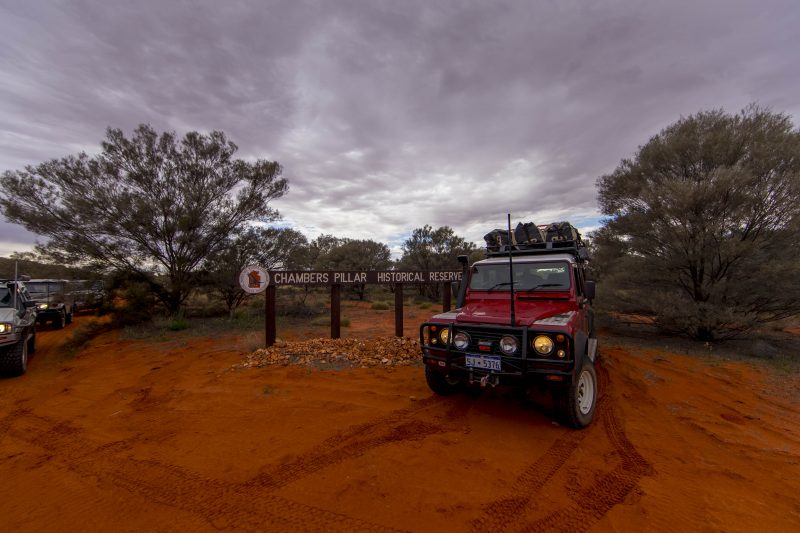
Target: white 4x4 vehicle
x,y
17,328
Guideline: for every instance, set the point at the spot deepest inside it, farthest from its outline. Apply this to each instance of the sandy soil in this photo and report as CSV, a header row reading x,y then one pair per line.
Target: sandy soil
x,y
142,435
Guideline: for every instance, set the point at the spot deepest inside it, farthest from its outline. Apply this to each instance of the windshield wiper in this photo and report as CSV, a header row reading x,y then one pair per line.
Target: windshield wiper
x,y
542,285
503,284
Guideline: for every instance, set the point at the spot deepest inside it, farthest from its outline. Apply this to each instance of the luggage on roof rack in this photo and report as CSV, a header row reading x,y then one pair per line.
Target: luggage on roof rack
x,y
496,240
528,233
561,231
530,239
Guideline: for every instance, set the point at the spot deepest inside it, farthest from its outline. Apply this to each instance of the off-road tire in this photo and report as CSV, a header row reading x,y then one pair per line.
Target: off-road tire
x,y
440,383
61,321
14,359
32,341
68,318
575,405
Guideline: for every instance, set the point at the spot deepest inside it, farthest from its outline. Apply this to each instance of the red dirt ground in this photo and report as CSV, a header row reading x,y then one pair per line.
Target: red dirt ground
x,y
142,435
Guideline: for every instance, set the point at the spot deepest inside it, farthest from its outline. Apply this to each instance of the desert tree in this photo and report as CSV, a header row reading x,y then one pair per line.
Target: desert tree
x,y
152,205
271,248
702,228
433,249
357,254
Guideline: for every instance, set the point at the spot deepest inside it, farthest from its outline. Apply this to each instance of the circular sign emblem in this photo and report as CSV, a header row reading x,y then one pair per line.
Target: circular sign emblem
x,y
253,279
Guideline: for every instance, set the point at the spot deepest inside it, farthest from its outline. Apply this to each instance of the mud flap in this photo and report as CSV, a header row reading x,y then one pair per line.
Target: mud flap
x,y
592,351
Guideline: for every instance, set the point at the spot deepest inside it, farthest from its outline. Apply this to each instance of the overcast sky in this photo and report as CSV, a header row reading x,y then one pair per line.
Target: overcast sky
x,y
390,115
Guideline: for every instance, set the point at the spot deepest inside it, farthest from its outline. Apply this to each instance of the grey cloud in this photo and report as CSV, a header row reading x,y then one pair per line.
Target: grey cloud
x,y
390,115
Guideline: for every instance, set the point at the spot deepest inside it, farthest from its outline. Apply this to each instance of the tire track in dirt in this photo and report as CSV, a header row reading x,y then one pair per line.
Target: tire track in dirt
x,y
502,512
592,504
612,488
397,426
224,504
220,503
7,421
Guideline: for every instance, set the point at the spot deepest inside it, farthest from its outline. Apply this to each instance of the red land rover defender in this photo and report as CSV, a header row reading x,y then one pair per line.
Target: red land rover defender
x,y
523,316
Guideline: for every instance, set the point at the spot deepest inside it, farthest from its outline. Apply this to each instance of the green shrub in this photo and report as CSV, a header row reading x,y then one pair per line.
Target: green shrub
x,y
344,322
85,333
321,321
300,309
381,306
178,324
425,305
137,305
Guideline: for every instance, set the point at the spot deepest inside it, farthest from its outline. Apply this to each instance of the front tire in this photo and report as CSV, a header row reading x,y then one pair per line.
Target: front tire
x,y
575,405
14,359
32,341
68,318
60,321
440,383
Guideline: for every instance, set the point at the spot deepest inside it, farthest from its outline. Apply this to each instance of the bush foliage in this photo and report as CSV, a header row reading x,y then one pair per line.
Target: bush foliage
x,y
703,225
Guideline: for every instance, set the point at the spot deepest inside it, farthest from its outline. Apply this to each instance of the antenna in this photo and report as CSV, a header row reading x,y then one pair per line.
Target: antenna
x,y
511,274
16,284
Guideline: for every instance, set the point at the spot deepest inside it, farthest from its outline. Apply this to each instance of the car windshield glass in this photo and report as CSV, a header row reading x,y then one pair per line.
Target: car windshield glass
x,y
5,297
43,287
545,276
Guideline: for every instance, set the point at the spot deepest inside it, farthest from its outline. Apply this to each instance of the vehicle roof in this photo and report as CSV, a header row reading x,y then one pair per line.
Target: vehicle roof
x,y
569,258
47,280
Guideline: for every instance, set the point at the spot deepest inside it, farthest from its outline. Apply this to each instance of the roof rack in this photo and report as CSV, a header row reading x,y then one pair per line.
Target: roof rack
x,y
530,239
576,248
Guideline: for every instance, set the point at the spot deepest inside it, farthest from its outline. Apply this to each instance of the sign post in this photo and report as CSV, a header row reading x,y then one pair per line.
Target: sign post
x,y
253,279
336,310
398,309
270,328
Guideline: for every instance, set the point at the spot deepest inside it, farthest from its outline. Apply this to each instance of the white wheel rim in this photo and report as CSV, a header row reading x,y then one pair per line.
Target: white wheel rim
x,y
585,392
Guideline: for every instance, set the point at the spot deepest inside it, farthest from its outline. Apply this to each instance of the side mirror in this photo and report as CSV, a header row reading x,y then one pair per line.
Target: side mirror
x,y
455,287
590,290
463,259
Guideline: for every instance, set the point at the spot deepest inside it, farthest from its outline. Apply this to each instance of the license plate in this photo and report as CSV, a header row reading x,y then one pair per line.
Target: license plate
x,y
484,362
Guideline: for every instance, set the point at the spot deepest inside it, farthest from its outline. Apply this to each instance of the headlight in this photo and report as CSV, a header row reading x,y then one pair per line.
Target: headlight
x,y
444,335
41,306
543,344
461,340
5,328
508,345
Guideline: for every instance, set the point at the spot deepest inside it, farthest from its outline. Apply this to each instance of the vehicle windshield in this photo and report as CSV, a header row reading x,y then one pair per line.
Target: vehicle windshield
x,y
43,287
6,299
544,276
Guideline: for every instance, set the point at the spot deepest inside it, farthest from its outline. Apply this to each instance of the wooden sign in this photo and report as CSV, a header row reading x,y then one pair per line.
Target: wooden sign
x,y
335,279
349,277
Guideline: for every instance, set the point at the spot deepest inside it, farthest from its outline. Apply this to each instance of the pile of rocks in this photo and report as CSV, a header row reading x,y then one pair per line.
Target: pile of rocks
x,y
338,353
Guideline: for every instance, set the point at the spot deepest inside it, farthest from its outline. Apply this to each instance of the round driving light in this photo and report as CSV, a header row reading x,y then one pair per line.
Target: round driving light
x,y
444,335
559,338
508,344
461,340
543,344
561,354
